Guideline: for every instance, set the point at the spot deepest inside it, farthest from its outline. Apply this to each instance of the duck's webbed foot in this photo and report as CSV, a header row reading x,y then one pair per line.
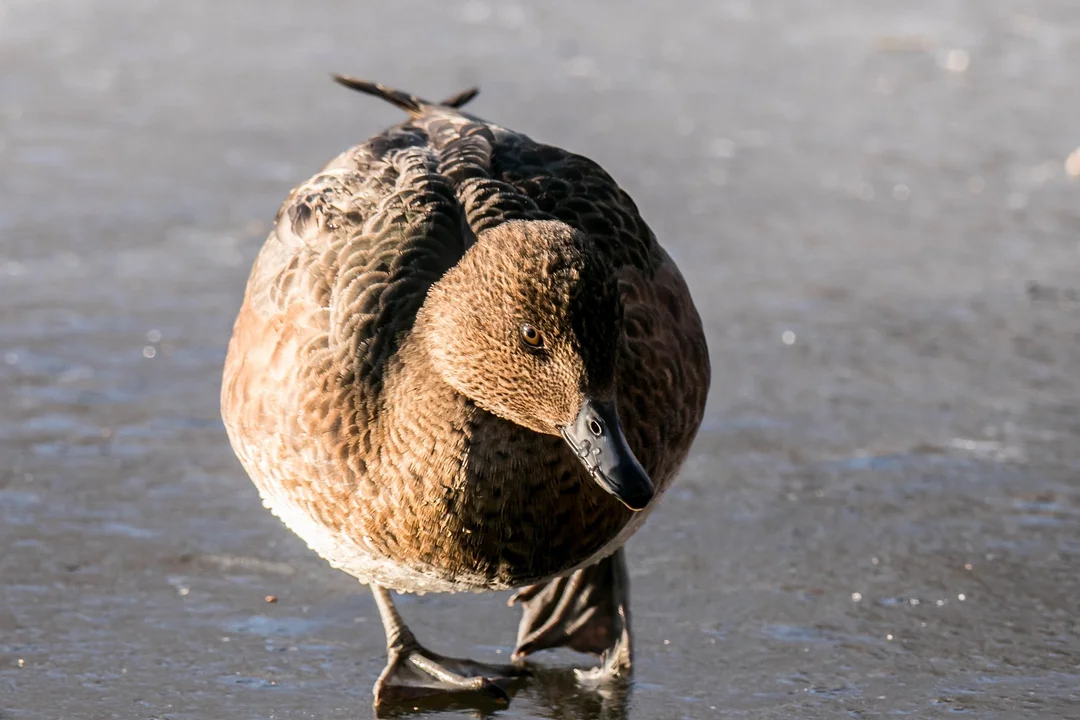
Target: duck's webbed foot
x,y
588,611
412,672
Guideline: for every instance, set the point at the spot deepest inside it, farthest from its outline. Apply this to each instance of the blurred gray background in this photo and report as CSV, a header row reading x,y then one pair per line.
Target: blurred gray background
x,y
872,204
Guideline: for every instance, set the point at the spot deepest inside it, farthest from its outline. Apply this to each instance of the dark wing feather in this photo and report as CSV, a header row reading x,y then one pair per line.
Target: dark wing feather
x,y
577,191
500,175
341,279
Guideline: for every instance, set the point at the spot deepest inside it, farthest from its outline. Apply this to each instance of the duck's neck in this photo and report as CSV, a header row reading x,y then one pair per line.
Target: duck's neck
x,y
419,407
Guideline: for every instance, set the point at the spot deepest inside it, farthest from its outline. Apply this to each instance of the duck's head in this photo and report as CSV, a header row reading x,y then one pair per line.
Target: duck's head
x,y
528,325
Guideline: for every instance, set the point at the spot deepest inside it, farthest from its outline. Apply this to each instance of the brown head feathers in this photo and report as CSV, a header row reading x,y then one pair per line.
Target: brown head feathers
x,y
537,277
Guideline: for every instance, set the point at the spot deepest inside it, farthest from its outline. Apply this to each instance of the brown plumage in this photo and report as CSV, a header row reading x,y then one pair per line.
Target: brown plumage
x,y
378,390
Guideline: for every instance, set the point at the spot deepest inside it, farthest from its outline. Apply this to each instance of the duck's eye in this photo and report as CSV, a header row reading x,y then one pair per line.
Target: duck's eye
x,y
531,337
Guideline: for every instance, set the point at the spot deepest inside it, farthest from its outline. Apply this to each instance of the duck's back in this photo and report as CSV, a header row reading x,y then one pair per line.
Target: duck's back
x,y
333,295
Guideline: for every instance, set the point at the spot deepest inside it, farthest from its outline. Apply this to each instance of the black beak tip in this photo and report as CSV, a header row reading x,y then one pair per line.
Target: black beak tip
x,y
637,503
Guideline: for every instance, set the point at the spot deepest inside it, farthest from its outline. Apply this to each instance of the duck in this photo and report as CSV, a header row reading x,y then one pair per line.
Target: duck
x,y
464,363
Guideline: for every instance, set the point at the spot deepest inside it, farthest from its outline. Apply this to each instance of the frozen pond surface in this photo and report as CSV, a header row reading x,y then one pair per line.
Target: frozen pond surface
x,y
870,200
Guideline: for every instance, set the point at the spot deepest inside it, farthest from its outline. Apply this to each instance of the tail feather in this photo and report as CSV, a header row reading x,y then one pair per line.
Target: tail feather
x,y
460,99
409,103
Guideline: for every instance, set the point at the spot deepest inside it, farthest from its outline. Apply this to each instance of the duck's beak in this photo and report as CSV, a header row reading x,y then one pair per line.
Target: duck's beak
x,y
596,436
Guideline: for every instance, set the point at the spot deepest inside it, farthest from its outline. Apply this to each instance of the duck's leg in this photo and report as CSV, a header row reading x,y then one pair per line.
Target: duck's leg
x,y
588,611
413,672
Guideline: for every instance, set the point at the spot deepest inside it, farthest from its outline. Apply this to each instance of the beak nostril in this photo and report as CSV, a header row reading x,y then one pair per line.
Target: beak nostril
x,y
597,439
